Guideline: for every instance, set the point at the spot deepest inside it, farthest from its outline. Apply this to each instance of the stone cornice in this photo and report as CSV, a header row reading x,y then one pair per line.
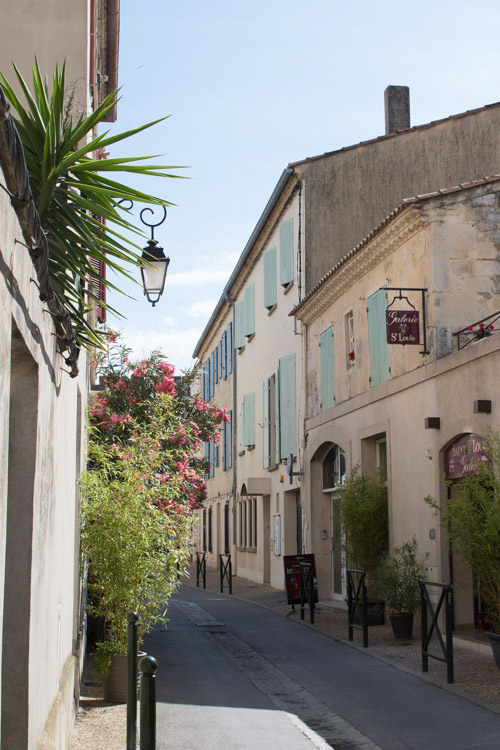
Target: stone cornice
x,y
362,260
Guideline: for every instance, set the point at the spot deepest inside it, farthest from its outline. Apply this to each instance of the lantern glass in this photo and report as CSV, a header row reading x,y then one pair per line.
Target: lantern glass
x,y
154,271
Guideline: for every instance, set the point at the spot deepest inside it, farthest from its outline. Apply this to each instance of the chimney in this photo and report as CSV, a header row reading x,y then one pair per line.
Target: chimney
x,y
397,108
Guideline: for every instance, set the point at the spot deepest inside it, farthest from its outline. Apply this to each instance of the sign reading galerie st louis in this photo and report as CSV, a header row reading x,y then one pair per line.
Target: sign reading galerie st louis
x,y
402,327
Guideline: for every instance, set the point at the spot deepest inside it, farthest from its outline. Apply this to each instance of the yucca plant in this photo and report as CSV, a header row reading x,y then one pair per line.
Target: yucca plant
x,y
76,199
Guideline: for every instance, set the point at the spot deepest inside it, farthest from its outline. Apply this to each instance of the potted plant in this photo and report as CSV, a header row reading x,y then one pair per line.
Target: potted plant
x,y
472,518
364,520
143,483
397,583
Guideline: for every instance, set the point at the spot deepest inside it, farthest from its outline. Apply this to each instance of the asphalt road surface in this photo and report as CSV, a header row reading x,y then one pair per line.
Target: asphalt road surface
x,y
235,675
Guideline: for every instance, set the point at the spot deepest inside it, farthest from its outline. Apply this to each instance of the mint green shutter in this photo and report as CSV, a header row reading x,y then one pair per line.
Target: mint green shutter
x,y
277,449
249,309
327,370
286,252
379,348
249,419
287,406
239,321
270,293
266,422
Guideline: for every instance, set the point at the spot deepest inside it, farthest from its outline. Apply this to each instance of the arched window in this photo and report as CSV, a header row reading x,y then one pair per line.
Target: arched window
x,y
334,468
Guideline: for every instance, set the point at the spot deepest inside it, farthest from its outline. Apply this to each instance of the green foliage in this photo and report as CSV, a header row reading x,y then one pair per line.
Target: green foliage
x,y
397,580
138,495
74,194
472,517
364,519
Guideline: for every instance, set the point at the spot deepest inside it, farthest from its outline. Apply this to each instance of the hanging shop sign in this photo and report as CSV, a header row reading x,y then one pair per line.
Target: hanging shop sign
x,y
402,327
462,457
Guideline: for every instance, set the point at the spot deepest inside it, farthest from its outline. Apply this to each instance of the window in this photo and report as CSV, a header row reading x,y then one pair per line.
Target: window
x,y
210,529
379,348
286,252
334,474
349,340
270,293
327,370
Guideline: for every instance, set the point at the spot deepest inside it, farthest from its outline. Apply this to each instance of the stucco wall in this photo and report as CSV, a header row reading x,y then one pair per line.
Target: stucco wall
x,y
449,245
53,31
350,192
53,428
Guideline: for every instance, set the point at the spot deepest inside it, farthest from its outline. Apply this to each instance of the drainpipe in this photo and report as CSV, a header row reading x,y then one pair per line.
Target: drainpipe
x,y
231,302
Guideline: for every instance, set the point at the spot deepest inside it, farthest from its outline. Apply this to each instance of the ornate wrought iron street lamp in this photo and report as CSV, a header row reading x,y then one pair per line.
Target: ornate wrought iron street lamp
x,y
155,265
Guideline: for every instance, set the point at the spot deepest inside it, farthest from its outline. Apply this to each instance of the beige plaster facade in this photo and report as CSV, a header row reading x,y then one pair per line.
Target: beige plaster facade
x,y
266,509
447,244
335,200
41,454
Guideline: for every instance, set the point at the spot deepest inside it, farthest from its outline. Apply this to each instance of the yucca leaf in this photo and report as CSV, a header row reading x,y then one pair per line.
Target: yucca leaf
x,y
72,190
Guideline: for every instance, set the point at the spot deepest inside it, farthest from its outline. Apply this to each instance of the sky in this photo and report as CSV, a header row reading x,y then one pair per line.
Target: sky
x,y
251,86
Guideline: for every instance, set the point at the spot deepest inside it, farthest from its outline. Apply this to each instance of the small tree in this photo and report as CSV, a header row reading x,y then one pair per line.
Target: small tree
x,y
144,480
364,519
472,518
397,580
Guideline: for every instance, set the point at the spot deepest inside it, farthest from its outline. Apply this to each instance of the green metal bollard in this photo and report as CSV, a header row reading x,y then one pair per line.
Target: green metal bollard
x,y
148,667
132,619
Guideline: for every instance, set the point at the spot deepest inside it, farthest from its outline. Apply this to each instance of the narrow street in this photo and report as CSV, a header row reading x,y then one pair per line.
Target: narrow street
x,y
236,674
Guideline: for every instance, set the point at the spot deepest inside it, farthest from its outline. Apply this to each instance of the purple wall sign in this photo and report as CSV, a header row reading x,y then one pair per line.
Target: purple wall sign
x,y
461,458
402,327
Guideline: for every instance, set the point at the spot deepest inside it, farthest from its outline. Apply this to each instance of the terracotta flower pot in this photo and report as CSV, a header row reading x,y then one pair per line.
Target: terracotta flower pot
x,y
115,684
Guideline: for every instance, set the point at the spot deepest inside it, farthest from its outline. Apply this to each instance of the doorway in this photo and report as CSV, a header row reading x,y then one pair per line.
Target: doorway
x,y
23,422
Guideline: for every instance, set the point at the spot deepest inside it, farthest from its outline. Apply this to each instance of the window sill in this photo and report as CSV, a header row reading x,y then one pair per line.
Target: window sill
x,y
270,310
249,447
287,287
250,336
241,453
240,349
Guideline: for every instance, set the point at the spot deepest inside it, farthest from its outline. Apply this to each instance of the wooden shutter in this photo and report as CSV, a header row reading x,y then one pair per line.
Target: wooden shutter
x,y
207,457
266,431
224,446
99,289
203,383
270,293
379,348
286,252
327,370
230,441
239,321
230,348
216,364
224,355
212,370
287,406
249,309
249,419
277,442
